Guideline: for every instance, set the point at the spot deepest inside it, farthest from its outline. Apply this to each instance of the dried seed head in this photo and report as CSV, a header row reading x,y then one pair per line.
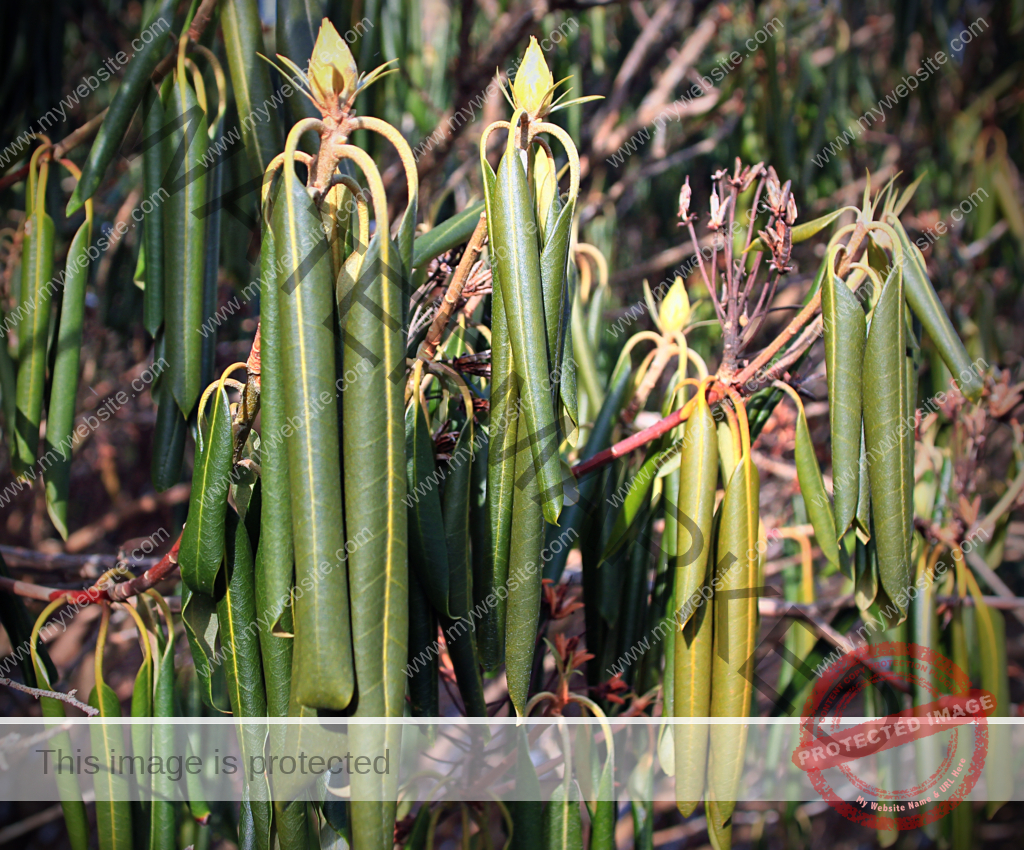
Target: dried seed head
x,y
533,84
779,240
333,75
684,201
791,211
718,211
774,191
770,239
752,174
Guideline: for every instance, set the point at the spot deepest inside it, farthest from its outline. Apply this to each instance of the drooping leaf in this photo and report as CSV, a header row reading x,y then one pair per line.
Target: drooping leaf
x,y
524,574
527,808
153,168
202,541
40,673
184,241
924,301
554,257
325,677
516,254
36,295
375,484
698,476
456,524
250,82
844,328
275,554
162,810
424,697
236,611
113,811
60,414
889,440
812,486
735,628
991,636
562,826
199,616
428,550
501,464
691,680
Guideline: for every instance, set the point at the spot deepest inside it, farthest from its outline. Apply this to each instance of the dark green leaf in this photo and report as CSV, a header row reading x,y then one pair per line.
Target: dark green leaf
x,y
325,676
250,82
275,555
36,293
153,228
60,415
202,541
524,575
428,551
516,254
924,301
184,238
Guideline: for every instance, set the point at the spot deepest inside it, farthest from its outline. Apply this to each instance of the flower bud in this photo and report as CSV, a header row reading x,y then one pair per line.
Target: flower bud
x,y
675,308
533,84
333,74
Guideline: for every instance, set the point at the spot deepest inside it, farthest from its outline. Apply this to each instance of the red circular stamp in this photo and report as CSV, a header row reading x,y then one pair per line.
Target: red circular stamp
x,y
836,754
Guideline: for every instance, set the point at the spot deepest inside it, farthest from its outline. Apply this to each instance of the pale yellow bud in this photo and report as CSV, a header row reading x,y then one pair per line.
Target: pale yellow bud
x,y
532,88
332,70
675,308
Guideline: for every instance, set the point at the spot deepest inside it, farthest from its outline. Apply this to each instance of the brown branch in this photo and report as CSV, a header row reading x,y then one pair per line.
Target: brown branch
x,y
27,590
90,534
459,278
70,142
16,556
790,331
39,693
652,34
657,100
108,592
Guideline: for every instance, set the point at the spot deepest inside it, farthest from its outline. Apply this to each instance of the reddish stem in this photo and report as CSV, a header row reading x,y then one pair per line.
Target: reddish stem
x,y
624,447
125,589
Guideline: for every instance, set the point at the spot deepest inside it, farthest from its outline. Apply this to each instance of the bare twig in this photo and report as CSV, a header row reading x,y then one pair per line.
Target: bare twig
x,y
16,556
451,297
38,693
68,143
90,534
979,565
107,593
609,138
30,824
